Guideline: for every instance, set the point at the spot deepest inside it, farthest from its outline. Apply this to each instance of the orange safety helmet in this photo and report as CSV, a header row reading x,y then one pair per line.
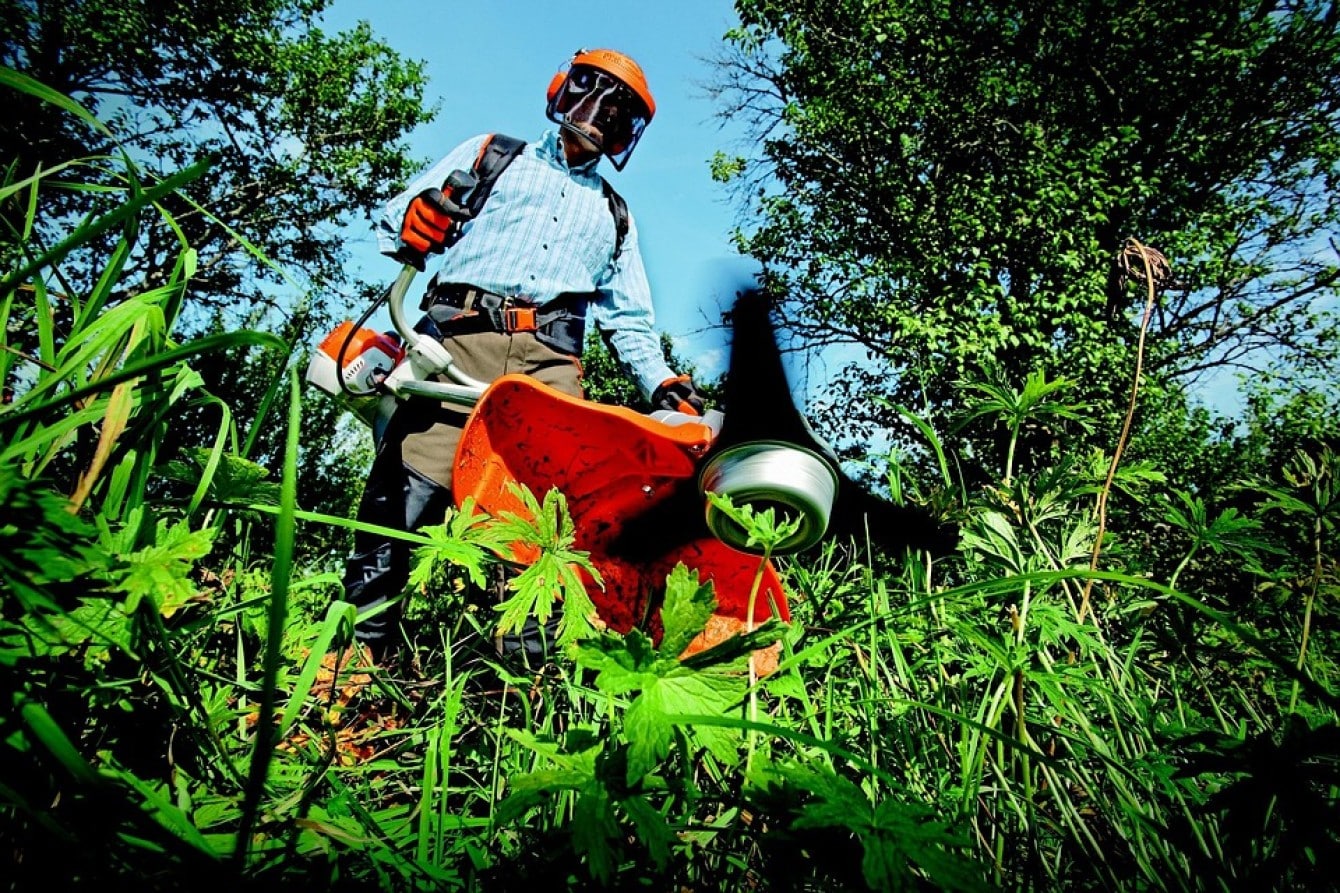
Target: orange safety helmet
x,y
603,96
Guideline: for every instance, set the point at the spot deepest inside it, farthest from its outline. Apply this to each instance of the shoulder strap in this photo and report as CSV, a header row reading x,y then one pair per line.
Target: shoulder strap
x,y
619,208
494,156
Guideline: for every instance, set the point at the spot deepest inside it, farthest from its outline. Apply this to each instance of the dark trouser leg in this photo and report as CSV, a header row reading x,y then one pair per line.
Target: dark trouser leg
x,y
534,644
398,497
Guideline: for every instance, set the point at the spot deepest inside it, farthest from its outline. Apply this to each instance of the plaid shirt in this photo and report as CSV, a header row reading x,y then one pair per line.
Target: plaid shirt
x,y
546,230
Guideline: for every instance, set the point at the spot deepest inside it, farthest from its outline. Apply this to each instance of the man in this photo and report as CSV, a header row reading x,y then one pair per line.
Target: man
x,y
517,281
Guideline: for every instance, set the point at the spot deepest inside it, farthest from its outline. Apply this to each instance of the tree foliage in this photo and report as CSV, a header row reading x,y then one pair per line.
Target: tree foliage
x,y
606,380
304,131
947,185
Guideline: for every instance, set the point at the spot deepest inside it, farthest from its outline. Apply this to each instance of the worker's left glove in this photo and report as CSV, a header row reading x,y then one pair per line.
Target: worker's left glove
x,y
428,223
678,395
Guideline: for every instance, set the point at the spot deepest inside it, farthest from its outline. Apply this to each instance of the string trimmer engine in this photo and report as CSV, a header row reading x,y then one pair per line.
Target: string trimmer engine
x,y
351,363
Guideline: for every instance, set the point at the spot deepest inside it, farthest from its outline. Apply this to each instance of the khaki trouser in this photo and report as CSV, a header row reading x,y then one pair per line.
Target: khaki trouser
x,y
431,432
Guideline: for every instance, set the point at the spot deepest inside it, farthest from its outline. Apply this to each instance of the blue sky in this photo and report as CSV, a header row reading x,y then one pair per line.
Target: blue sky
x,y
488,65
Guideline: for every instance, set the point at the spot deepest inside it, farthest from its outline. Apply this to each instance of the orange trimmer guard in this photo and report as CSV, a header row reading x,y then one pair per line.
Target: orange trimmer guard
x,y
611,464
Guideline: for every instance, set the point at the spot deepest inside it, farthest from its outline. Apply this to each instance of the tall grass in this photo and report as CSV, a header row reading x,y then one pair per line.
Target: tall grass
x,y
170,716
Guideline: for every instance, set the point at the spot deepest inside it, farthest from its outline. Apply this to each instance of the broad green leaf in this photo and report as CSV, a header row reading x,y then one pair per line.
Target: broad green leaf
x,y
687,608
680,691
160,573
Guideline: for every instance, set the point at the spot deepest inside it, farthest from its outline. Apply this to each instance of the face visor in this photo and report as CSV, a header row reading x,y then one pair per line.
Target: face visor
x,y
601,110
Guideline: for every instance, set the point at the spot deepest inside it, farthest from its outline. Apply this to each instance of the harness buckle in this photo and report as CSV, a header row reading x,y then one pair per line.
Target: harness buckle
x,y
519,319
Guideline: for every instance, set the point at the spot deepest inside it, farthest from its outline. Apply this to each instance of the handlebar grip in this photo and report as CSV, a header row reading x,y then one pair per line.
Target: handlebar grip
x,y
459,183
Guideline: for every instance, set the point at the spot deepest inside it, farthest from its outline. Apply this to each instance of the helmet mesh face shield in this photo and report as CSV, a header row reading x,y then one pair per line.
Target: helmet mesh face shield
x,y
602,110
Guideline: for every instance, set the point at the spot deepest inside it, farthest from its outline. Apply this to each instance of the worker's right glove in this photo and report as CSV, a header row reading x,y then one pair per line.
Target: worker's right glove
x,y
429,220
678,395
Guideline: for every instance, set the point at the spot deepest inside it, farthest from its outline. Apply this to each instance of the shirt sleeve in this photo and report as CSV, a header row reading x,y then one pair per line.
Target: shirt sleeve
x,y
388,226
623,311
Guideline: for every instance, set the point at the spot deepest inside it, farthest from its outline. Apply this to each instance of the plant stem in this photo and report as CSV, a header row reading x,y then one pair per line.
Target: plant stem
x,y
1125,430
1307,609
753,671
277,614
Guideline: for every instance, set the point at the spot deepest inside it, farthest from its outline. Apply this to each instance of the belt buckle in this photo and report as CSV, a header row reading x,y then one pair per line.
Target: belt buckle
x,y
519,319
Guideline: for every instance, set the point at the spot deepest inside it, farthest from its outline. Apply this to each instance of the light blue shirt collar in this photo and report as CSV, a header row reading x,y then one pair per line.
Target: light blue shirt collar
x,y
550,150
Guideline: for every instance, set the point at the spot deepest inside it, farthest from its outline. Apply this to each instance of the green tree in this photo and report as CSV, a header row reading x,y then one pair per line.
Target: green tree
x,y
303,132
606,381
304,128
947,185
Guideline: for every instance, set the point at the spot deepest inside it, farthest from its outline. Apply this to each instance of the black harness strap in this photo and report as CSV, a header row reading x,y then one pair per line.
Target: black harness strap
x,y
562,323
619,208
494,156
465,310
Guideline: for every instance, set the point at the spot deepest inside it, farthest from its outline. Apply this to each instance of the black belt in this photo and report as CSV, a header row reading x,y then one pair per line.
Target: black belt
x,y
471,309
466,309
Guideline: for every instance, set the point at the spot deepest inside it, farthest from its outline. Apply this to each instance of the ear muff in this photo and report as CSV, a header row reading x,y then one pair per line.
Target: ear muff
x,y
556,84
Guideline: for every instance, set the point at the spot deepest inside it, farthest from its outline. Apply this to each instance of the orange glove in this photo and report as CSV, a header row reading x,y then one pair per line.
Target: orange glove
x,y
678,395
429,222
